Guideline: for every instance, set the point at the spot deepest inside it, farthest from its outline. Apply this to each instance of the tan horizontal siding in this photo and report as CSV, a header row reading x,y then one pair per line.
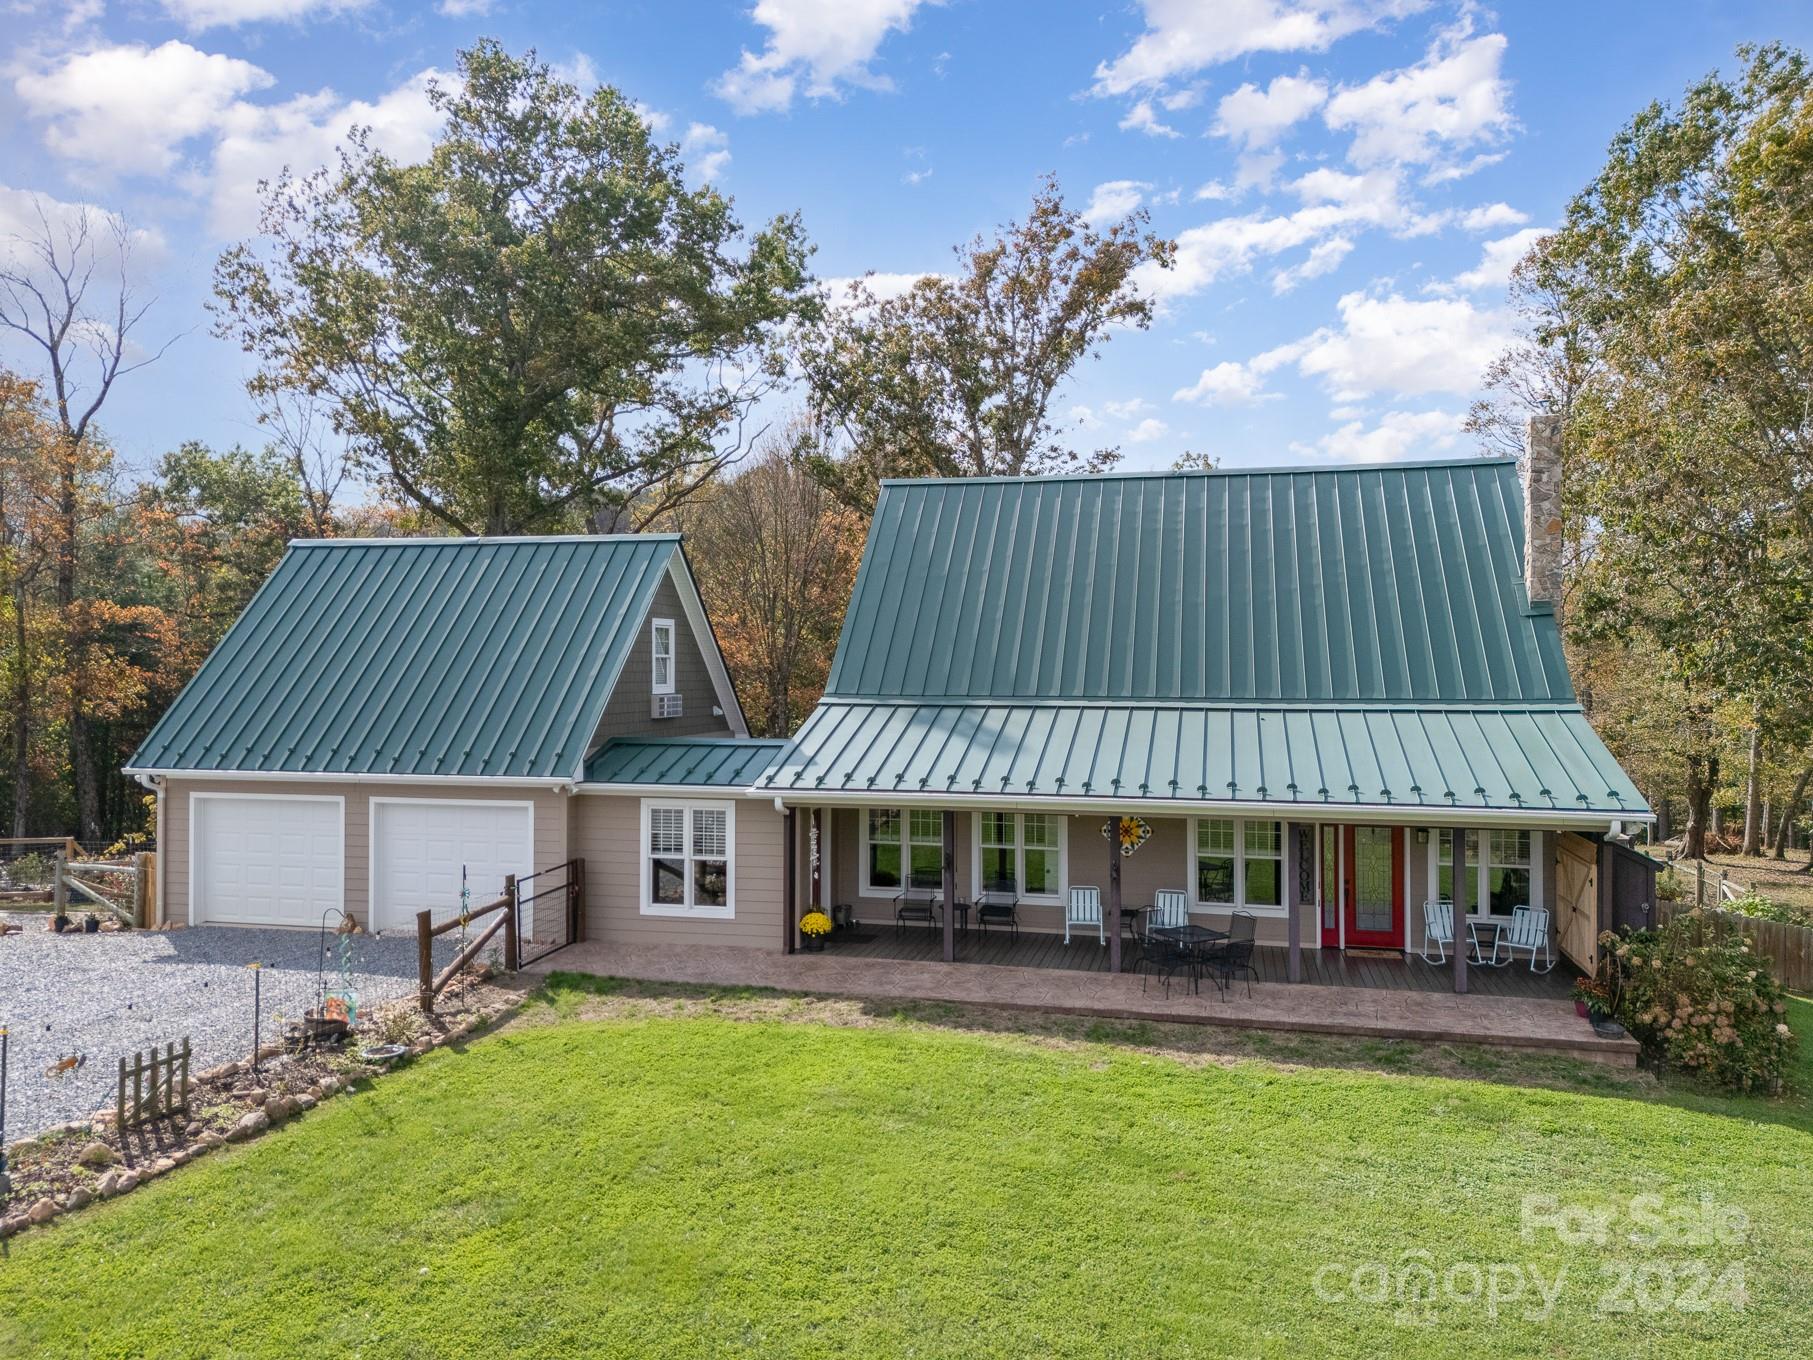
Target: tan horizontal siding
x,y
606,830
550,829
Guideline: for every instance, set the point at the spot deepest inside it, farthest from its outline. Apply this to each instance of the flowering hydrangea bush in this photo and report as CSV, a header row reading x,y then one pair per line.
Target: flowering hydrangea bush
x,y
1697,998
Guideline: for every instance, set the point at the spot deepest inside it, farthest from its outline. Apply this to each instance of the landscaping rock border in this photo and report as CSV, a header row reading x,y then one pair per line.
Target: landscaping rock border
x,y
69,1166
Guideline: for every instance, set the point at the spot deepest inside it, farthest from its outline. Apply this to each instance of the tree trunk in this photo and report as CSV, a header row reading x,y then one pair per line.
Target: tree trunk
x,y
88,775
1702,777
1753,797
21,714
1664,822
1790,810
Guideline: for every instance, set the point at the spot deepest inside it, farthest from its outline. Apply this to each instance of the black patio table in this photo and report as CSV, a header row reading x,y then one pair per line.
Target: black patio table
x,y
1191,936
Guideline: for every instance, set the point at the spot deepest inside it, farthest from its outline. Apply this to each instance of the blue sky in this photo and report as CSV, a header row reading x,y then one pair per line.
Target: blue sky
x,y
1348,180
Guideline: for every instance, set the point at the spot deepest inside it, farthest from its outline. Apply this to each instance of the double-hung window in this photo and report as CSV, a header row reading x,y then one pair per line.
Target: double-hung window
x,y
902,849
1239,862
688,858
1496,881
1020,853
661,646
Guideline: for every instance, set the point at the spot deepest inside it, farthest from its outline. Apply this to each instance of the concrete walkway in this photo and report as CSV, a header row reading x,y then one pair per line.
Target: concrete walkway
x,y
1502,1022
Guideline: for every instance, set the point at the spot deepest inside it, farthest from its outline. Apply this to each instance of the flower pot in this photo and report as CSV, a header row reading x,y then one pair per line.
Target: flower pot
x,y
812,944
1580,1008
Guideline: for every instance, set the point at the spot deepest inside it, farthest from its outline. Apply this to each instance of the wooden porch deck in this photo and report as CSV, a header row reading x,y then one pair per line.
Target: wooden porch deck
x,y
1322,967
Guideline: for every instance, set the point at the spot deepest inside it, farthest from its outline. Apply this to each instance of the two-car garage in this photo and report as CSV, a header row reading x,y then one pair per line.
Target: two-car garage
x,y
287,859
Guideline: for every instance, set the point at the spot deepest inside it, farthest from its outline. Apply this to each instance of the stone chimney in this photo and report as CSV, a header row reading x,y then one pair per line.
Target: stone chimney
x,y
1542,510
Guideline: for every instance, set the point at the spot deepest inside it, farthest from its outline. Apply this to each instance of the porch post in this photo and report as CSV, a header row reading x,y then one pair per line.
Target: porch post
x,y
790,897
1293,895
1461,933
1112,923
950,886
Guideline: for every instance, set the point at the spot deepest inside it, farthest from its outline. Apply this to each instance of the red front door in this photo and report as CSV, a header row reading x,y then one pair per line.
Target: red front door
x,y
1373,893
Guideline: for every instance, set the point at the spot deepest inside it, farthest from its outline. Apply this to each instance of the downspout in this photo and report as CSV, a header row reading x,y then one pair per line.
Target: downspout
x,y
155,782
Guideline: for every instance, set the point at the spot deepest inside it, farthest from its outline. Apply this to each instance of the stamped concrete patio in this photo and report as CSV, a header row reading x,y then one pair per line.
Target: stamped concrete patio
x,y
1546,1025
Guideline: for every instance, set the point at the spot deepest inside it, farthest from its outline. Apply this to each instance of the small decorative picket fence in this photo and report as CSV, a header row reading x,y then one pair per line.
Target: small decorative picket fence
x,y
159,1085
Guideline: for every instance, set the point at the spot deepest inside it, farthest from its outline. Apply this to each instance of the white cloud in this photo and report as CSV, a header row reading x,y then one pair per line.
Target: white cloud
x,y
1126,410
199,14
707,150
916,177
1226,384
1113,200
1398,433
26,214
1450,101
652,118
1324,258
302,133
1496,261
465,9
1402,346
1141,118
1213,191
1256,118
1147,430
1491,216
1085,417
883,287
815,47
1184,36
1334,204
131,107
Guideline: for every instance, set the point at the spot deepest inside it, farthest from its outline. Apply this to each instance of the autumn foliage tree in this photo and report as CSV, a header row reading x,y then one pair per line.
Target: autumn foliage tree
x,y
775,554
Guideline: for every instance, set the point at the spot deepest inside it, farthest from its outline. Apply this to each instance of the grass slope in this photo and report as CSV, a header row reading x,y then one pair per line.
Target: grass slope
x,y
704,1183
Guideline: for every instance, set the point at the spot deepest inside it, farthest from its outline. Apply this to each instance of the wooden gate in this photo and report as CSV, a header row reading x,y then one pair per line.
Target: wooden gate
x,y
1577,901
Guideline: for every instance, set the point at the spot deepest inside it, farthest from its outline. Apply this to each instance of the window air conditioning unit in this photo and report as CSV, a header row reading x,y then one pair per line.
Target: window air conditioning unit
x,y
667,706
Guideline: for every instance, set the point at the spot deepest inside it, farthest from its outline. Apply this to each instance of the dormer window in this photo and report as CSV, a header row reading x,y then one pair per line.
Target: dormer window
x,y
662,636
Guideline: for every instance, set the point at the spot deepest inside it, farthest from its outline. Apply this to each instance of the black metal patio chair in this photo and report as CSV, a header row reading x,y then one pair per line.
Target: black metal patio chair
x,y
918,903
999,901
1162,957
1234,956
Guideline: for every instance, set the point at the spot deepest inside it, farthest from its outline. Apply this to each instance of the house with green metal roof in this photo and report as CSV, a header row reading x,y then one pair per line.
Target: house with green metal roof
x,y
400,725
1325,708
1322,697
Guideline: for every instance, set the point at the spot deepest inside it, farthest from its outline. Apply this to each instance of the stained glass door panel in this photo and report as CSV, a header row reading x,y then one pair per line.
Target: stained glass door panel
x,y
1375,908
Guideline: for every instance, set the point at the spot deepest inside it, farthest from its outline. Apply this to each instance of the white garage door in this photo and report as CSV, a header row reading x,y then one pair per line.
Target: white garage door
x,y
418,849
266,861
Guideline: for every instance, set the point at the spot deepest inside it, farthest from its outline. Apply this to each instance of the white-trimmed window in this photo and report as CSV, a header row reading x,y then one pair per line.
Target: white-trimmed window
x,y
1496,881
1021,853
902,849
1239,862
688,858
661,647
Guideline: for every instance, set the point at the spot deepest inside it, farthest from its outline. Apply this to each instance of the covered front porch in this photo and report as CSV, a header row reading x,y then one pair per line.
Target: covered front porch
x,y
1341,903
1378,969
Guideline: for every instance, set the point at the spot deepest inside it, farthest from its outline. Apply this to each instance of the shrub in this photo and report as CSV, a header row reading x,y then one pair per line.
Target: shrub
x,y
32,868
1753,903
1668,884
1696,998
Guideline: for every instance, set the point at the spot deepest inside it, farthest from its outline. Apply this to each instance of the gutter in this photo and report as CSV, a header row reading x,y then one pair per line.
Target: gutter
x,y
334,777
1382,814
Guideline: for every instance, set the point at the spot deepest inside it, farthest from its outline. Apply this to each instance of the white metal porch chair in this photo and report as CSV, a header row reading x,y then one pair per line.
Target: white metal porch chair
x,y
1170,908
1084,909
1438,932
1528,931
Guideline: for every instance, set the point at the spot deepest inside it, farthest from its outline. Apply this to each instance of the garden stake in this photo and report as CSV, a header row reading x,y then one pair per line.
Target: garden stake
x,y
6,1184
257,979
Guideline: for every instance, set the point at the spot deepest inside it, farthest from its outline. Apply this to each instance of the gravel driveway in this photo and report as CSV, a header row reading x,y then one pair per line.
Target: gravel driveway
x,y
106,996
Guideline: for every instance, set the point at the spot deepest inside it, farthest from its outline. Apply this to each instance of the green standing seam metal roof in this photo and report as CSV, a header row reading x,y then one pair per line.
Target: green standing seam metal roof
x,y
1325,636
418,657
691,762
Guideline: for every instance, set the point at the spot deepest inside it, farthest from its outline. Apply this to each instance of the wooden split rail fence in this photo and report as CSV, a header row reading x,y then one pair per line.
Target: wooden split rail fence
x,y
432,984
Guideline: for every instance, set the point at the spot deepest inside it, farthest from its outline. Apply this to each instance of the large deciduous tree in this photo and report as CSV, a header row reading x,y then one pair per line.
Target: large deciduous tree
x,y
1672,328
776,554
956,376
534,328
66,292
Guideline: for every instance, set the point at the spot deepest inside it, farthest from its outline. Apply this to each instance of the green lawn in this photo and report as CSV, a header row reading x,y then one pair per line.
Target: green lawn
x,y
771,1177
